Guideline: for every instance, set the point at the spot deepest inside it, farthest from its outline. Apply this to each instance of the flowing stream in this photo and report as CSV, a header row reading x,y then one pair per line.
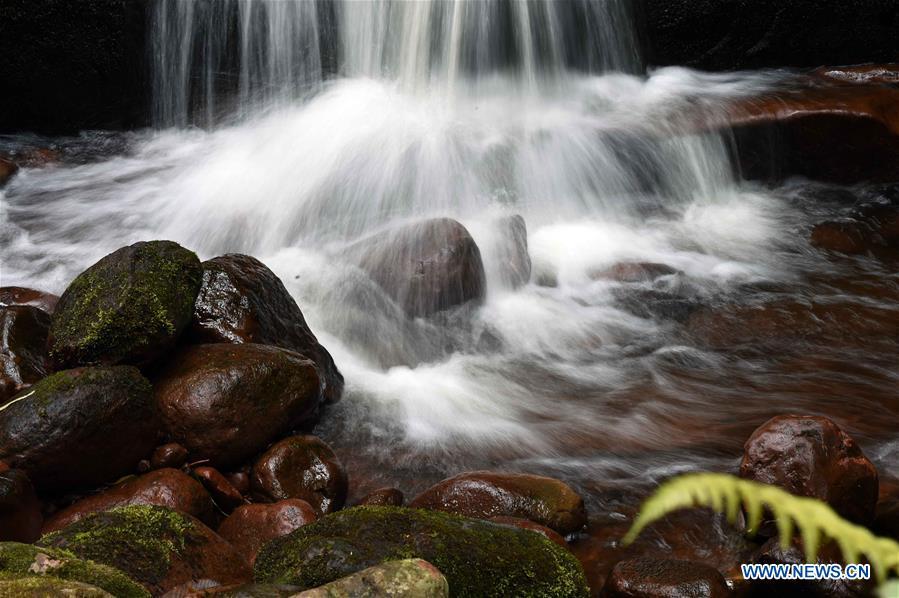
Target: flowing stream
x,y
290,129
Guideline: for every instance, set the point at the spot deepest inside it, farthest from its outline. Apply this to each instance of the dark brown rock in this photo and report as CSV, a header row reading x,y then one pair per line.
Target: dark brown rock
x,y
226,402
487,494
81,428
225,495
26,296
240,480
426,267
250,527
20,509
128,308
301,467
842,237
7,171
651,578
518,522
23,348
512,251
242,301
156,547
169,488
383,497
812,456
168,455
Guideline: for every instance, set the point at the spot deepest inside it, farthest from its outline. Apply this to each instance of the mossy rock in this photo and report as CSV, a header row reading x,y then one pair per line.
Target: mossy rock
x,y
26,568
158,547
478,558
47,587
127,308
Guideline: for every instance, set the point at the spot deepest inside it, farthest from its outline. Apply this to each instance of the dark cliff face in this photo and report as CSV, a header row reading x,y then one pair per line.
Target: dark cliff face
x,y
751,34
70,65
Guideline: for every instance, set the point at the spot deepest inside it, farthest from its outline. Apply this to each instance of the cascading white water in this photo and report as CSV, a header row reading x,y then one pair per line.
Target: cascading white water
x,y
327,121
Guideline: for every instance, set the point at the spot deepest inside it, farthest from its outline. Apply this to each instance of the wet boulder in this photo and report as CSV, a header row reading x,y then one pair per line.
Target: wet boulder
x,y
478,558
527,524
512,251
426,267
226,496
8,169
302,467
812,456
652,578
168,488
409,578
25,296
872,228
634,272
171,454
20,563
487,494
23,348
383,497
157,547
128,308
243,301
226,402
40,587
79,428
250,527
20,509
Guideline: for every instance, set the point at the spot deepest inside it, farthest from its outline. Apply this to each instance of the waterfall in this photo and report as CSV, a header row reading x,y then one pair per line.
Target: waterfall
x,y
213,58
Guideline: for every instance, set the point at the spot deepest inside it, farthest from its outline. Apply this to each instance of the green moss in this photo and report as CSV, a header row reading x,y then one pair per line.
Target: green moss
x,y
126,304
22,587
478,558
22,560
138,539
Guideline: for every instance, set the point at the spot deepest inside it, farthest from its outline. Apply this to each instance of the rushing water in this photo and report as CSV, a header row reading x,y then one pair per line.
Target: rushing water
x,y
323,122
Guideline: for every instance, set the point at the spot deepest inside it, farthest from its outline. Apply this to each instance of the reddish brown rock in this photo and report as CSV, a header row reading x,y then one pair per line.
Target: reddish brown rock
x,y
242,301
534,527
169,488
156,547
842,237
226,402
169,455
225,495
23,348
7,171
812,456
634,272
383,497
31,297
301,467
250,527
20,509
240,480
426,267
651,578
81,428
486,494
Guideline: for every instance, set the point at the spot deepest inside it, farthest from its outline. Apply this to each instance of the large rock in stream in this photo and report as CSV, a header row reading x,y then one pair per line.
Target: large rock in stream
x,y
226,403
80,428
157,547
478,558
23,348
20,509
426,267
128,308
243,301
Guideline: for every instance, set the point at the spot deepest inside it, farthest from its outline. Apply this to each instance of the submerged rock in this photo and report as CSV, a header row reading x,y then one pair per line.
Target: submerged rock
x,y
529,525
7,171
164,488
426,267
812,456
243,301
80,428
129,308
302,467
25,296
409,578
22,562
157,547
652,578
250,527
226,402
486,494
478,558
23,348
383,497
20,509
512,251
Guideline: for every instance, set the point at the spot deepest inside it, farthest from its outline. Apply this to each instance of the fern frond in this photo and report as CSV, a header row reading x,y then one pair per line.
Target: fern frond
x,y
814,519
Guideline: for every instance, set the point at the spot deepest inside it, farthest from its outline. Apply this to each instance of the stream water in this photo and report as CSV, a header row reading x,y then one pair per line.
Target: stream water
x,y
339,119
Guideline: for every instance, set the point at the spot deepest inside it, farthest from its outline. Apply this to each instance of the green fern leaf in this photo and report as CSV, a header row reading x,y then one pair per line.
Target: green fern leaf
x,y
815,521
